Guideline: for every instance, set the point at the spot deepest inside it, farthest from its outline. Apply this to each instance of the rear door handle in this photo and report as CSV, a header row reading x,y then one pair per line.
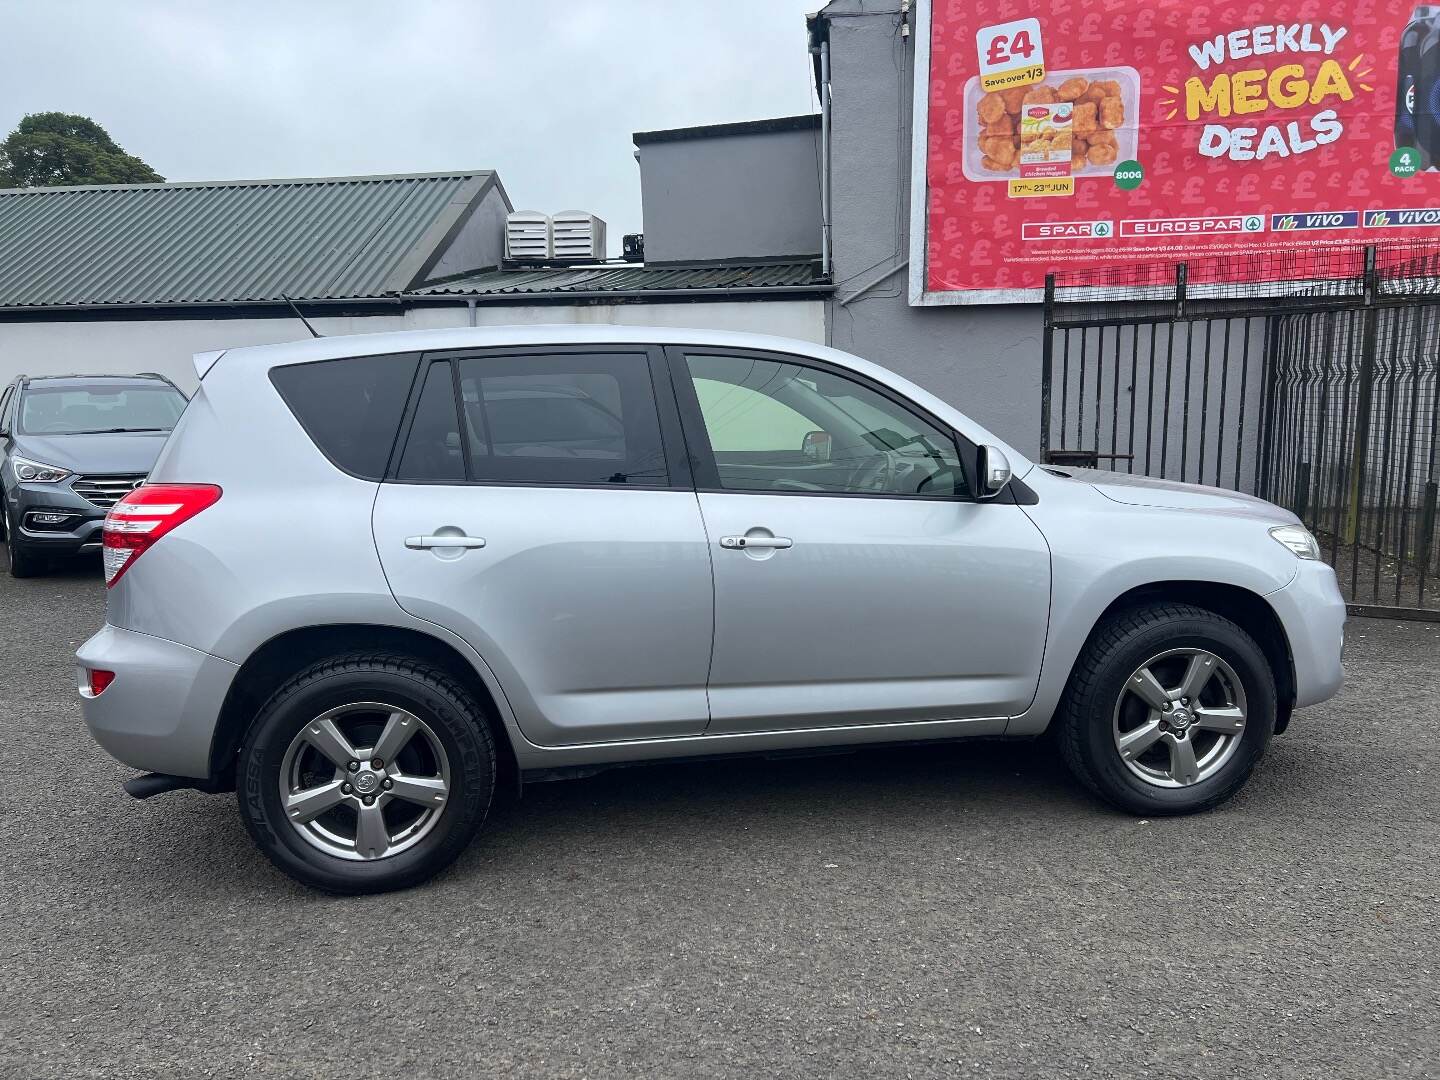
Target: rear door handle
x,y
425,543
737,543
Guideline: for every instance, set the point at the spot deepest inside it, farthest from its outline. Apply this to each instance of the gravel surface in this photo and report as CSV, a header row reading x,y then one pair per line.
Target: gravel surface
x,y
952,912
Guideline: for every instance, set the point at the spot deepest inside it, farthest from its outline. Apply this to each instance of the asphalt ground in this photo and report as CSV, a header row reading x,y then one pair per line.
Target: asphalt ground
x,y
951,912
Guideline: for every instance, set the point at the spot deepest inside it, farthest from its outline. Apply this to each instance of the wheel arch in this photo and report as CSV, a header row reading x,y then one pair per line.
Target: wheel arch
x,y
275,661
1248,610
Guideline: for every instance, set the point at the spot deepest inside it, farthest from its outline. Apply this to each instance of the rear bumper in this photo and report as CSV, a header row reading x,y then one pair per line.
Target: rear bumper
x,y
159,713
1313,614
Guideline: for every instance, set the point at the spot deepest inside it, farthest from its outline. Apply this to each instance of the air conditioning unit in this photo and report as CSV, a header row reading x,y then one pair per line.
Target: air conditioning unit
x,y
577,236
527,237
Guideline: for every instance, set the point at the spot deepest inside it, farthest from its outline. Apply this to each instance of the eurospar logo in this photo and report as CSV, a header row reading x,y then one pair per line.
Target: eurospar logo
x,y
1195,226
1067,230
1402,219
1307,222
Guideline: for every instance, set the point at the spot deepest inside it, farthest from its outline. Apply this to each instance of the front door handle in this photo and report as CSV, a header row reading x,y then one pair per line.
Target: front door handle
x,y
739,543
425,543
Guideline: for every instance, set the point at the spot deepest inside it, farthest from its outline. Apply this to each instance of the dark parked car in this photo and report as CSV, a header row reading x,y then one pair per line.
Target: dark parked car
x,y
70,447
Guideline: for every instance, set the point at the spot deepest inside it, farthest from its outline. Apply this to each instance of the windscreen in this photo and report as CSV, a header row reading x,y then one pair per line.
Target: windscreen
x,y
88,410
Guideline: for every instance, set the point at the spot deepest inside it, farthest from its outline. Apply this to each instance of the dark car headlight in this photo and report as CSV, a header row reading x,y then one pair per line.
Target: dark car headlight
x,y
36,472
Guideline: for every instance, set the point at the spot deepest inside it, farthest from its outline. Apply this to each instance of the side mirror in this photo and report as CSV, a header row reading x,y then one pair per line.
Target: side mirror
x,y
816,446
994,471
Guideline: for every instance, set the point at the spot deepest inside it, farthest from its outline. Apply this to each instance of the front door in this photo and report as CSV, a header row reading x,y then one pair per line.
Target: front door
x,y
548,526
856,579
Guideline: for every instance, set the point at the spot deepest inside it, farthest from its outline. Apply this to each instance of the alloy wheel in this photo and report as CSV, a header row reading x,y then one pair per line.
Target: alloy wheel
x,y
364,781
1180,718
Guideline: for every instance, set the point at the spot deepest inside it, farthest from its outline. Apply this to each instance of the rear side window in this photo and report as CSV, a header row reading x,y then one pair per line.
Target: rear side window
x,y
351,408
568,418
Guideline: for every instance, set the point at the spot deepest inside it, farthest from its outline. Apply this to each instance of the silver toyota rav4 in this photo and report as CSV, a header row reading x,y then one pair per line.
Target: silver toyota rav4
x,y
374,582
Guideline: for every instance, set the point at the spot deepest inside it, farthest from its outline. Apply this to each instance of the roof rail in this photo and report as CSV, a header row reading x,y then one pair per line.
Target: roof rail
x,y
100,375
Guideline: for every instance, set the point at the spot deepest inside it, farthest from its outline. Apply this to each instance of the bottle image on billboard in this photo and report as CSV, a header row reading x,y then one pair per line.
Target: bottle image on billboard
x,y
1427,90
1407,97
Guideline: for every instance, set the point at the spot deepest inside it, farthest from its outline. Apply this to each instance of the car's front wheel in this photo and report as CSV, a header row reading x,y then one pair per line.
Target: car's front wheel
x,y
366,773
22,563
1168,711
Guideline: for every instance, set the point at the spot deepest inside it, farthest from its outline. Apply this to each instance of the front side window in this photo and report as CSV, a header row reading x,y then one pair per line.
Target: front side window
x,y
783,427
568,418
97,409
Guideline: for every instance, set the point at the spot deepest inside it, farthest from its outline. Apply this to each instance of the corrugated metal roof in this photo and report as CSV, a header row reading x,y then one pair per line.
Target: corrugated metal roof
x,y
211,243
630,279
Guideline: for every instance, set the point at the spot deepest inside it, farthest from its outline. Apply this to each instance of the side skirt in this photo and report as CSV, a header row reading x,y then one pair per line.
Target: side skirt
x,y
534,758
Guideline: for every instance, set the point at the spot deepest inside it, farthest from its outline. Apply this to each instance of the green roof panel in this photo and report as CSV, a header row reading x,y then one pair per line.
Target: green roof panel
x,y
231,242
631,279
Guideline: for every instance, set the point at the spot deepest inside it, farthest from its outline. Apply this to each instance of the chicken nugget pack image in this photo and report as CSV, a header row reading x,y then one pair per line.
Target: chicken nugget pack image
x,y
1097,99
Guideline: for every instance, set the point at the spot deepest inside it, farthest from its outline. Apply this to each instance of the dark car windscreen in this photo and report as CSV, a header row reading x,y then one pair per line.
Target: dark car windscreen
x,y
85,410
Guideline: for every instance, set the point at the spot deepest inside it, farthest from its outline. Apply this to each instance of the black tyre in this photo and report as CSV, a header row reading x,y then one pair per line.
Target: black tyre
x,y
1168,710
23,564
366,773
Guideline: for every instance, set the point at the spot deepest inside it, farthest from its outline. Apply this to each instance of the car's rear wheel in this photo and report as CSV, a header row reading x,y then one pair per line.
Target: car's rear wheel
x,y
366,773
1168,710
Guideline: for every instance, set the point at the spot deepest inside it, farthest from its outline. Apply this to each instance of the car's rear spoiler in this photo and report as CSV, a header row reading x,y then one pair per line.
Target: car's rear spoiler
x,y
204,361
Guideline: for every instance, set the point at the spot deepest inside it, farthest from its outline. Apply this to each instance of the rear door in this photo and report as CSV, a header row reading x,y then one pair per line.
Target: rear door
x,y
540,507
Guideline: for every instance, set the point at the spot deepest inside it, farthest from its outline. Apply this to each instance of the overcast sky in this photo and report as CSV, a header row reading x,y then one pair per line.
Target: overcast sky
x,y
546,92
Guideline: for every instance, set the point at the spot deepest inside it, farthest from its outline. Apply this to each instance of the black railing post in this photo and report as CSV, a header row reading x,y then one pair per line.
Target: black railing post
x,y
1270,364
1302,490
1427,534
1047,368
1182,281
1364,398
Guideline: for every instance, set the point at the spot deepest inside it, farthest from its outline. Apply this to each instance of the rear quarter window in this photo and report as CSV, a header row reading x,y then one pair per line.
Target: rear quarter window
x,y
351,407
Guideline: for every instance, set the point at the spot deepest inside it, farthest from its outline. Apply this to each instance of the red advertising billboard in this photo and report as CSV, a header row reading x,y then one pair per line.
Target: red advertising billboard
x,y
1075,134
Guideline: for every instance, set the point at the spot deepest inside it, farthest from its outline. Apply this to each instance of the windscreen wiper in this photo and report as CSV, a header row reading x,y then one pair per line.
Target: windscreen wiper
x,y
120,430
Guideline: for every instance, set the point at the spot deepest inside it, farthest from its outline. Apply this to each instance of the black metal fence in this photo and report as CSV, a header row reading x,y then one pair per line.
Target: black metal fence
x,y
1321,393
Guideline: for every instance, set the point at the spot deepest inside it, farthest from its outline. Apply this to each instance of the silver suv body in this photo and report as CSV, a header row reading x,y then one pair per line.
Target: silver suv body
x,y
375,581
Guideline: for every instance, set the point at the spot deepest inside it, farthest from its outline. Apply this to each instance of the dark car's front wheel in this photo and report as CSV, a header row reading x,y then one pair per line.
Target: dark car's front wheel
x,y
1168,711
366,773
22,563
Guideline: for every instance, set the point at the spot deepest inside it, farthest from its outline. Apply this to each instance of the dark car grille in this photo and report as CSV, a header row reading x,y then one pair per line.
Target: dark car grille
x,y
106,491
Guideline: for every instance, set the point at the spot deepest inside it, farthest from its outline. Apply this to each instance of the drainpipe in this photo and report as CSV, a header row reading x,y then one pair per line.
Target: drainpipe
x,y
825,157
471,305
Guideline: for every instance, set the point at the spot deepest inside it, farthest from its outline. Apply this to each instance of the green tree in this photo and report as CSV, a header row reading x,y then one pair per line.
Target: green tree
x,y
52,148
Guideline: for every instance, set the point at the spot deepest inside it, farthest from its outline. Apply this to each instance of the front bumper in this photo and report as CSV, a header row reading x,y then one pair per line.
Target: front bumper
x,y
159,713
80,532
1313,614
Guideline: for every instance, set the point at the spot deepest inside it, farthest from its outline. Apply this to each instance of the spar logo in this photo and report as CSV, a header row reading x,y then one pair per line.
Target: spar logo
x,y
1067,230
1402,219
1195,226
1305,222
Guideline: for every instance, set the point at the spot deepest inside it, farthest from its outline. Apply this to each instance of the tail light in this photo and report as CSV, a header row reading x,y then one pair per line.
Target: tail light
x,y
145,515
98,680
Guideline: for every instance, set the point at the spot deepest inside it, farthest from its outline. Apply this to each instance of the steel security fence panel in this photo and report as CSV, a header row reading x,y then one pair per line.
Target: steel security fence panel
x,y
1321,394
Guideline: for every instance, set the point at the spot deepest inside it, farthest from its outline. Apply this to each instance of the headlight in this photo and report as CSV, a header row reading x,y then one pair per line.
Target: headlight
x,y
1298,539
35,472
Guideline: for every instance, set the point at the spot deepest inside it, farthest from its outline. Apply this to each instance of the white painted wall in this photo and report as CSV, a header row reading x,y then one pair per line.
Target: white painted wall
x,y
166,346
